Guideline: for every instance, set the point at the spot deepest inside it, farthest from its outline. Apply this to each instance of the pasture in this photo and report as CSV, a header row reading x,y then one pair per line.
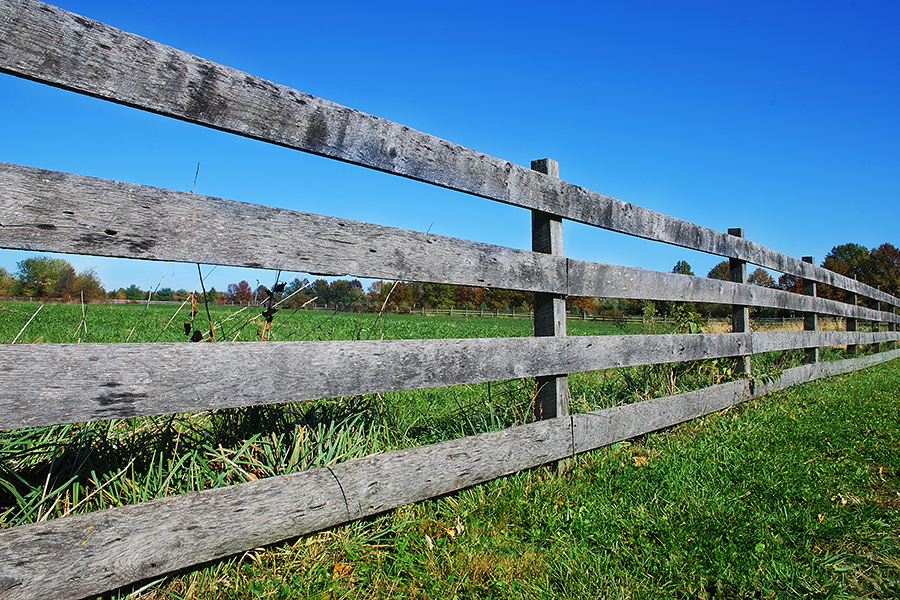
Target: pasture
x,y
796,496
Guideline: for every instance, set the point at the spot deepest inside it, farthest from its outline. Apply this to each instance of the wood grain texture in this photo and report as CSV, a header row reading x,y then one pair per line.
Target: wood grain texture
x,y
88,554
49,211
47,44
70,383
600,280
551,399
603,427
740,314
385,481
78,556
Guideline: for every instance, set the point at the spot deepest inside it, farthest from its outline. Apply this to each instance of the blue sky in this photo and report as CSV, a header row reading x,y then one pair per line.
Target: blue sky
x,y
781,118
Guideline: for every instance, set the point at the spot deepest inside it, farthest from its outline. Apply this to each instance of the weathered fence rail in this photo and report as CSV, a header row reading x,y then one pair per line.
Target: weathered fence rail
x,y
47,211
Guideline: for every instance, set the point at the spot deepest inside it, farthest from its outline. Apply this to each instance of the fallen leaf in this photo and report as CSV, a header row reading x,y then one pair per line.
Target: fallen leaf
x,y
341,569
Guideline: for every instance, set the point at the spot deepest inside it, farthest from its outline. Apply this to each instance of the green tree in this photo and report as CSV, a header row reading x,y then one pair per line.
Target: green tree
x,y
850,260
44,277
721,271
7,283
344,292
321,290
884,269
296,292
682,268
761,278
133,292
212,295
87,284
437,295
166,294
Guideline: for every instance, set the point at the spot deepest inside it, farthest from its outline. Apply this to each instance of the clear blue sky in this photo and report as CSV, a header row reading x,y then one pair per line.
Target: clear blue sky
x,y
778,117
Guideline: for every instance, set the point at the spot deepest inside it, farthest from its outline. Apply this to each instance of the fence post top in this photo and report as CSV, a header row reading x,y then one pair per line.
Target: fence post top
x,y
547,166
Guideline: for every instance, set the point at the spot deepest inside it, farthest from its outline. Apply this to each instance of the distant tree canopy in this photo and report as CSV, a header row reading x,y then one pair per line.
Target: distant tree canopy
x,y
878,267
761,278
758,277
239,292
884,270
682,268
720,271
45,277
7,283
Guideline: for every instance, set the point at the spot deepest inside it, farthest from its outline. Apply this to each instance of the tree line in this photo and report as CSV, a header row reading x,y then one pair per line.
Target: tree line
x,y
45,277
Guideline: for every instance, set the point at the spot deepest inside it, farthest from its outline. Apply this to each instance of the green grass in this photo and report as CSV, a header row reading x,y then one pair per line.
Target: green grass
x,y
795,496
62,323
614,527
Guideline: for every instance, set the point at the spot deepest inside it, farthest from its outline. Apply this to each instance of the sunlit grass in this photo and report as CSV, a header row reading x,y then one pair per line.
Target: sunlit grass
x,y
597,532
797,495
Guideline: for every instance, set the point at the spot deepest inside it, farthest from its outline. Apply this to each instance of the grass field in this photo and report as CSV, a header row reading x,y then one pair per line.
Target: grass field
x,y
796,496
716,508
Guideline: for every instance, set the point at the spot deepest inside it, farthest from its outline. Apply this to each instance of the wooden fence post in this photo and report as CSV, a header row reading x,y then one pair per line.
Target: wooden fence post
x,y
853,299
893,328
876,325
552,397
810,320
740,315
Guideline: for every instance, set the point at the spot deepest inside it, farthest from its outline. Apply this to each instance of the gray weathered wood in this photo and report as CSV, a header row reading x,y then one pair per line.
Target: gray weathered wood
x,y
92,553
87,554
49,211
740,314
73,557
552,396
600,280
70,383
810,319
852,322
53,46
769,341
57,212
600,428
382,482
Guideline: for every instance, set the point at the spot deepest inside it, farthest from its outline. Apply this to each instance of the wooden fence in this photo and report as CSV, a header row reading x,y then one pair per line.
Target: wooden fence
x,y
48,384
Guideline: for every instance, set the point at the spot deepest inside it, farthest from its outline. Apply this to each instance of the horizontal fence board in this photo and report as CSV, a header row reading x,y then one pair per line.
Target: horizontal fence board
x,y
770,341
53,46
600,280
47,384
82,555
381,482
88,554
49,211
603,427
